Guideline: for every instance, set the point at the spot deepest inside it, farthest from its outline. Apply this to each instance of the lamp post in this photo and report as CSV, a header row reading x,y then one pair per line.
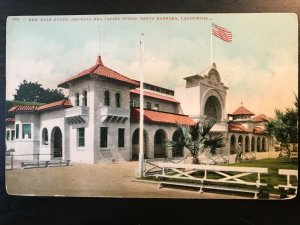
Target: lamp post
x,y
141,130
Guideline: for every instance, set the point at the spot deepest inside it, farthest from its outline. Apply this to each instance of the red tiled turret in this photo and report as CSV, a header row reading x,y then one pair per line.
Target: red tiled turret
x,y
242,111
100,70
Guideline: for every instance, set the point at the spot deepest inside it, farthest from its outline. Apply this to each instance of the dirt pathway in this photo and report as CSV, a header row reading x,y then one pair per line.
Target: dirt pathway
x,y
109,180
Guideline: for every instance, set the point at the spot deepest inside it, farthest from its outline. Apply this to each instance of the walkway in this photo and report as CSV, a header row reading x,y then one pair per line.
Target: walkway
x,y
107,180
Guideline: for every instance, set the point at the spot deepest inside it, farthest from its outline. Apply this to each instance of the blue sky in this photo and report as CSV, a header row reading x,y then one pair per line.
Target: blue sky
x,y
259,65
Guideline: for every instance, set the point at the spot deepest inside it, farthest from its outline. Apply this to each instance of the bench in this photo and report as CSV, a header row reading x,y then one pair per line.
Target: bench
x,y
188,175
58,162
34,164
288,173
43,164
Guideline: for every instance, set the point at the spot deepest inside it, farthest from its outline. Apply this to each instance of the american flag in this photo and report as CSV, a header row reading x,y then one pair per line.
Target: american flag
x,y
221,33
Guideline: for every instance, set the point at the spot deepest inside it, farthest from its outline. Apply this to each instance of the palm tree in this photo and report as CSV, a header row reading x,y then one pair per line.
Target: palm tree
x,y
197,138
285,127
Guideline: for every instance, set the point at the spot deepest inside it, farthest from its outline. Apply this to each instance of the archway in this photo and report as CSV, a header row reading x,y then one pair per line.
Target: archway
x,y
56,142
136,145
258,144
240,140
212,108
177,150
252,144
232,144
159,147
263,144
247,144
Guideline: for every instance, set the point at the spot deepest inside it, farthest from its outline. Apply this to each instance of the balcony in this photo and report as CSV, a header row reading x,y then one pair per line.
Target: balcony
x,y
77,114
112,114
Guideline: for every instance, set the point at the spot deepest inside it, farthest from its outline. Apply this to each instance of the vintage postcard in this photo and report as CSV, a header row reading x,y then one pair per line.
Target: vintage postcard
x,y
152,106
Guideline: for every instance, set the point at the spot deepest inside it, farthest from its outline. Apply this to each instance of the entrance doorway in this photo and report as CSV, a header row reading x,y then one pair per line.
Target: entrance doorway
x,y
56,142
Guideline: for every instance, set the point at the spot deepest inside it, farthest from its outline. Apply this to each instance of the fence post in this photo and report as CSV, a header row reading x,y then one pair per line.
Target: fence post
x,y
12,161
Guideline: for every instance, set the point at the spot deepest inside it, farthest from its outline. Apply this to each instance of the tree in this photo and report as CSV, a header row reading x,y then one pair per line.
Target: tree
x,y
285,126
197,138
34,92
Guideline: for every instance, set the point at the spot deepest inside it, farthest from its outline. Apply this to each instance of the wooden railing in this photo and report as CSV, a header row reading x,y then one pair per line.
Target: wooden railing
x,y
216,160
151,167
248,156
12,160
204,176
288,185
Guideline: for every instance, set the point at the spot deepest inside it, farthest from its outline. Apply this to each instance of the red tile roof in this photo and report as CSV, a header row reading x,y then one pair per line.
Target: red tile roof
x,y
154,95
27,108
233,127
258,130
10,120
161,117
242,111
100,70
30,108
66,103
262,118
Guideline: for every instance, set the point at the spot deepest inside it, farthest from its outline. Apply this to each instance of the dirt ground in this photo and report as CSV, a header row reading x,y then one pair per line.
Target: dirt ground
x,y
99,180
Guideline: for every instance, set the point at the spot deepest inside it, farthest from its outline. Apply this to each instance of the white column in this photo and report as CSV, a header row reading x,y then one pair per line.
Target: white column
x,y
141,131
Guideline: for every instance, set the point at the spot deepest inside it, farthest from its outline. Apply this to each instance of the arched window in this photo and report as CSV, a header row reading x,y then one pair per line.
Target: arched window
x,y
77,99
84,98
118,100
106,98
45,136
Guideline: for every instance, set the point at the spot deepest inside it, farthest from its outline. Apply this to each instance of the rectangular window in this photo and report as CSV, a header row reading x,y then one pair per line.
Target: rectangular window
x,y
157,106
26,131
17,131
80,137
148,105
134,103
103,137
121,135
13,135
7,135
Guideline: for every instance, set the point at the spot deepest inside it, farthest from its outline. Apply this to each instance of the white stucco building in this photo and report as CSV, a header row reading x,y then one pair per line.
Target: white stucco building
x,y
99,121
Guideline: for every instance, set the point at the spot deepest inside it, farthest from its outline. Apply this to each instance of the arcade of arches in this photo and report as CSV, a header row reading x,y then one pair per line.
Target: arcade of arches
x,y
250,143
154,144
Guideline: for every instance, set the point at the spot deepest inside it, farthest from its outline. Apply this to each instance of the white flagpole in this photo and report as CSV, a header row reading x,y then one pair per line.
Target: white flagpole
x,y
141,131
211,45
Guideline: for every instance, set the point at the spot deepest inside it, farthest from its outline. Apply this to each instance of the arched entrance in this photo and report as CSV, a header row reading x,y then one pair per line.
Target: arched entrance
x,y
159,147
212,108
136,146
56,145
258,144
232,144
177,149
252,144
247,144
240,140
263,144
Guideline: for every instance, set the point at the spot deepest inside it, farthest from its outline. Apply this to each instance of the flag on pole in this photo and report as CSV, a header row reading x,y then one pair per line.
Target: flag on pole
x,y
221,33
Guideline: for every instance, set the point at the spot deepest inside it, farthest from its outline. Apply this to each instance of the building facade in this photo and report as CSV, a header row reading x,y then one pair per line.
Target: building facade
x,y
99,122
